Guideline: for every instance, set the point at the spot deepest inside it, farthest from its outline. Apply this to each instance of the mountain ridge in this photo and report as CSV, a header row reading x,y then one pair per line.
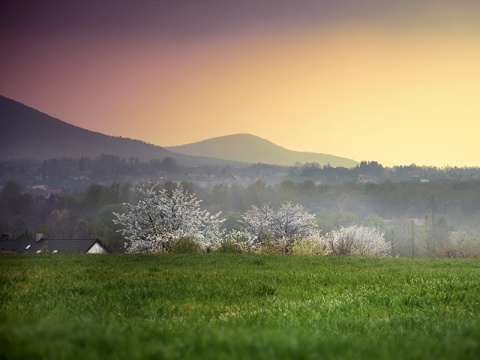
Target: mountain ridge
x,y
28,133
240,147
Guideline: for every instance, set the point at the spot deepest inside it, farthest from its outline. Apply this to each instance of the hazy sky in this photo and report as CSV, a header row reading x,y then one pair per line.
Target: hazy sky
x,y
393,81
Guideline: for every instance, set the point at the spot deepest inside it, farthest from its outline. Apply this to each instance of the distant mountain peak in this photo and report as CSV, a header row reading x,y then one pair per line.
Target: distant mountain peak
x,y
253,149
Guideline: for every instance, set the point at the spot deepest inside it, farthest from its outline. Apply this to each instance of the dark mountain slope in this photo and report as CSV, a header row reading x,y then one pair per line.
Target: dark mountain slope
x,y
28,133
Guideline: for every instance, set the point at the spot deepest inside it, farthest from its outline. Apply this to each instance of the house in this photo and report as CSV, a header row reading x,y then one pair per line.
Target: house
x,y
416,173
418,222
368,179
86,246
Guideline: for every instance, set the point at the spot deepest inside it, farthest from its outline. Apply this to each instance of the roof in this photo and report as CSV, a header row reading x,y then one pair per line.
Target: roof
x,y
50,245
417,172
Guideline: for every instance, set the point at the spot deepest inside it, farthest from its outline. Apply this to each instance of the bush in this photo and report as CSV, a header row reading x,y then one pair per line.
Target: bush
x,y
358,240
185,245
229,247
310,246
462,247
234,241
270,245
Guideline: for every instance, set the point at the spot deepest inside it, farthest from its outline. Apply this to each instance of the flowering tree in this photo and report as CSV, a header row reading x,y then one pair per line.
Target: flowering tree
x,y
282,226
358,240
157,220
256,223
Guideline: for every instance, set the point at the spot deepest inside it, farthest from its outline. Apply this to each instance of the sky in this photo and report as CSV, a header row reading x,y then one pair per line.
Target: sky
x,y
396,82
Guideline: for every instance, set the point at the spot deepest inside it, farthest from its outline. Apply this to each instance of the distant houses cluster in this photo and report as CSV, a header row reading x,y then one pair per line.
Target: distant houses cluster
x,y
43,190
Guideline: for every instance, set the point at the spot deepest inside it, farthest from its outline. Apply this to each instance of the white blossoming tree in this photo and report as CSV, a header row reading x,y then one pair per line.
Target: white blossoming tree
x,y
158,219
281,226
358,240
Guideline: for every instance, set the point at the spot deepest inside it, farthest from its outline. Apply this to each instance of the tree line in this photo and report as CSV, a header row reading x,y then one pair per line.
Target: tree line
x,y
67,173
418,219
163,222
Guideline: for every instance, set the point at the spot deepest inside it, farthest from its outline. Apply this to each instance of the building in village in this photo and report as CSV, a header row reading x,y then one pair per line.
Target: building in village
x,y
42,245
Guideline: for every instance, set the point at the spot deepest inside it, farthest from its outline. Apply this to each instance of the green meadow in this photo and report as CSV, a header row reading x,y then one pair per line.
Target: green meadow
x,y
232,306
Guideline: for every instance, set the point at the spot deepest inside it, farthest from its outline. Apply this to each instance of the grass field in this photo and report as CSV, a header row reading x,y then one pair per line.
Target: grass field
x,y
218,306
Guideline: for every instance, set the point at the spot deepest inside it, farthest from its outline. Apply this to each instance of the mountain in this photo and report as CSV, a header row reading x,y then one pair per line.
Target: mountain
x,y
28,133
250,148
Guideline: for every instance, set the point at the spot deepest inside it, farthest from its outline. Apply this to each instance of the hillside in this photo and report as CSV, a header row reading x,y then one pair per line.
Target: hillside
x,y
250,148
28,133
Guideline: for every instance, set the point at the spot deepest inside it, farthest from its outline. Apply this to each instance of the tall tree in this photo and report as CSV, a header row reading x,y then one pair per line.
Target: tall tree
x,y
158,219
283,225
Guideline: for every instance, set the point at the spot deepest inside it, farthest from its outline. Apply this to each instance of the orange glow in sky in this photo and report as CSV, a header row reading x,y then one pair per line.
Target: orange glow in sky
x,y
394,89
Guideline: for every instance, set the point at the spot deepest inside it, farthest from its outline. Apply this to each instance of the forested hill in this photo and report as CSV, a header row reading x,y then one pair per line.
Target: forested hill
x,y
250,148
28,133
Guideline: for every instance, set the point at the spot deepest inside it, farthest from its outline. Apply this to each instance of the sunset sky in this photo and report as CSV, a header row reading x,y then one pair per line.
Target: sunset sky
x,y
397,82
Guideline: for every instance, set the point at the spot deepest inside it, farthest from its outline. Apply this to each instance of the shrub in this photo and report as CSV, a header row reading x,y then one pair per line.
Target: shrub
x,y
185,245
310,246
234,241
358,240
461,247
270,245
229,247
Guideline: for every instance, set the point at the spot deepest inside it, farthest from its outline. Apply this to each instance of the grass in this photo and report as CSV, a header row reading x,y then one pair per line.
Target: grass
x,y
219,306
